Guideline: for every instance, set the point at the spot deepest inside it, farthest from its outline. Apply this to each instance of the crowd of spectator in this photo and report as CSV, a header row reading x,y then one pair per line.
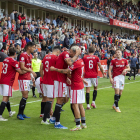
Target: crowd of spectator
x,y
16,32
121,10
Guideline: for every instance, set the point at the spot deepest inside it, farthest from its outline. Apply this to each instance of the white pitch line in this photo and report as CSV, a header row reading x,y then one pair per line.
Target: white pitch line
x,y
27,103
91,90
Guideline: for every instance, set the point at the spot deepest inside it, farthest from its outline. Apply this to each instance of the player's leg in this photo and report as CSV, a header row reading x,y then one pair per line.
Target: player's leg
x,y
60,90
95,84
130,74
48,93
88,97
66,99
22,105
11,113
77,117
43,103
134,72
88,91
47,110
2,107
83,119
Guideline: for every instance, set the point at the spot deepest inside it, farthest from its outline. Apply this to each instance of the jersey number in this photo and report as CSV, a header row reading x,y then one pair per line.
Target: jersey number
x,y
90,64
47,66
5,66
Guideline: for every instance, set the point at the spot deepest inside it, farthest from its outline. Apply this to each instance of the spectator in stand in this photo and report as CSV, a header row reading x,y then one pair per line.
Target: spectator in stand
x,y
19,17
5,25
1,38
18,25
16,16
21,29
12,15
66,41
43,49
23,42
5,36
13,29
47,20
54,22
18,37
9,24
40,37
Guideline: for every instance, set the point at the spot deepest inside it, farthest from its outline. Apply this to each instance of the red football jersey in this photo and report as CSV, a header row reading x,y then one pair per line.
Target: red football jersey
x,y
8,73
24,57
61,64
77,75
91,66
118,66
48,61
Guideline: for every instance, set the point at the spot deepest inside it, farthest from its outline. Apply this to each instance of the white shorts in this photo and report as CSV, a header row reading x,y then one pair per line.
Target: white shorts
x,y
39,86
69,91
24,85
5,90
118,82
48,91
93,81
60,89
77,96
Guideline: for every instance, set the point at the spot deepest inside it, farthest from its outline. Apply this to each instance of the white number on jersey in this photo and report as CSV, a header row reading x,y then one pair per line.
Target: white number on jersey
x,y
90,64
47,66
5,66
82,71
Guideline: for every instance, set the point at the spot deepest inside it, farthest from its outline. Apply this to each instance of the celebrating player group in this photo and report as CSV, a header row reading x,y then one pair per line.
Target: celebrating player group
x,y
63,76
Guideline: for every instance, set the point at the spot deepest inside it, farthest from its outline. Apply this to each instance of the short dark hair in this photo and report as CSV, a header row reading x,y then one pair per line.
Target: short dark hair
x,y
12,51
91,49
29,44
57,48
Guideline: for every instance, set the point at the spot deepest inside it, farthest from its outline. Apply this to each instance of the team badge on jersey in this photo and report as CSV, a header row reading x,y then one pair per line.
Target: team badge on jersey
x,y
22,58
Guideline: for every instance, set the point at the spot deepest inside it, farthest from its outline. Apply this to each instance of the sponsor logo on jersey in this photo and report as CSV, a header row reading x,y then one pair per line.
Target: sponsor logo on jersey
x,y
119,65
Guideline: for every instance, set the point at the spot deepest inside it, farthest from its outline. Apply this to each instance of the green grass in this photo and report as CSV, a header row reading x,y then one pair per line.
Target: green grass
x,y
103,123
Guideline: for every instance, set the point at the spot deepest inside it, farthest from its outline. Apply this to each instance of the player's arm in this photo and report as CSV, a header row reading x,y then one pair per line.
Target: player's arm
x,y
64,71
85,82
21,71
101,68
109,73
22,66
126,70
70,61
41,71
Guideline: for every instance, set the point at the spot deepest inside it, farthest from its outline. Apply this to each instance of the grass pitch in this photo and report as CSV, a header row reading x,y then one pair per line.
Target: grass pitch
x,y
103,123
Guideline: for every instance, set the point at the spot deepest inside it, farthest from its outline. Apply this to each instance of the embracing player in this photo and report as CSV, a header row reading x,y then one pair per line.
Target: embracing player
x,y
48,81
77,88
60,85
119,66
91,71
9,69
24,80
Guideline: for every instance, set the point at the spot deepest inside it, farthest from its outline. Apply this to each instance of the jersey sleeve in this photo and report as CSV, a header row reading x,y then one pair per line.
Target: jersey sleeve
x,y
111,64
73,67
22,58
126,63
15,64
66,55
98,60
